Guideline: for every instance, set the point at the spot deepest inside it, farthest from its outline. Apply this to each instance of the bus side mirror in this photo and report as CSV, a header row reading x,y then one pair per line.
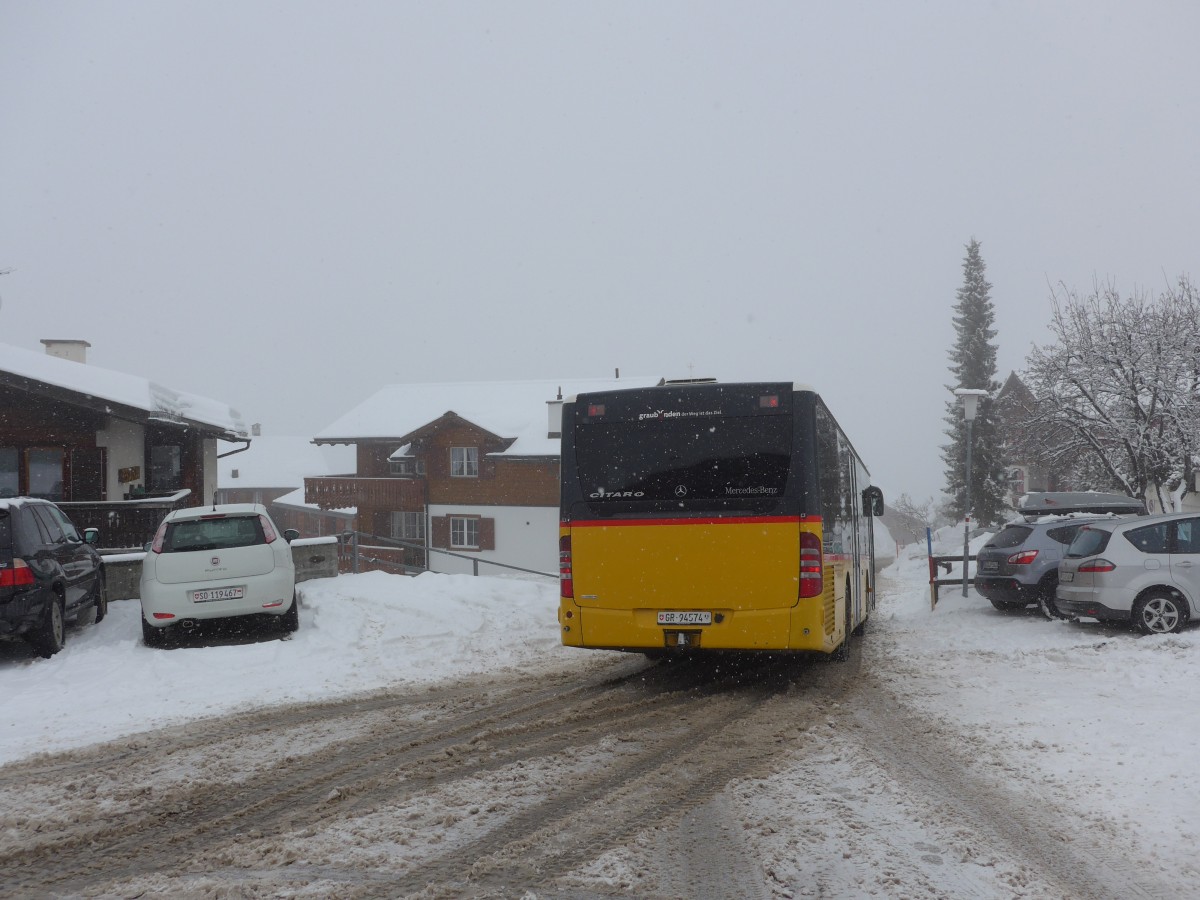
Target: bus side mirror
x,y
872,501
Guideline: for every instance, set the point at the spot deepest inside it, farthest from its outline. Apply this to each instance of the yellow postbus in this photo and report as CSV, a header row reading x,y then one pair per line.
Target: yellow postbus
x,y
707,516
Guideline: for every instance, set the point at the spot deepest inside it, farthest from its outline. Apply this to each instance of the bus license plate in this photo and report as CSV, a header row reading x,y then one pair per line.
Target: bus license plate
x,y
228,593
685,618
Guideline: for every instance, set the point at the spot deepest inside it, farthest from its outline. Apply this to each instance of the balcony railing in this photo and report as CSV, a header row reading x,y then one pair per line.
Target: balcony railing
x,y
125,524
341,492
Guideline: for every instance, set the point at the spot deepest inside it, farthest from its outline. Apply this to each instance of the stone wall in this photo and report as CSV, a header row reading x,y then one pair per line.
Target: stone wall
x,y
314,558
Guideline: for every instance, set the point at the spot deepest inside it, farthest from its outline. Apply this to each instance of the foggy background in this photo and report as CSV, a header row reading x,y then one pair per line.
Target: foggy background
x,y
286,205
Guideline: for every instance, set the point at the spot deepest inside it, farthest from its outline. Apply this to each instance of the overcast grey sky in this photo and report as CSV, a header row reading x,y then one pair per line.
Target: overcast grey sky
x,y
284,205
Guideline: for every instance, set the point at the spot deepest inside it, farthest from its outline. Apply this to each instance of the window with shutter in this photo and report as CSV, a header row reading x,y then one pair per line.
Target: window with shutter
x,y
464,533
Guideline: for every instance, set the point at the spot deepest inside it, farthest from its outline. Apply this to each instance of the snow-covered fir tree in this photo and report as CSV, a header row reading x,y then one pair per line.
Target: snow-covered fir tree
x,y
973,365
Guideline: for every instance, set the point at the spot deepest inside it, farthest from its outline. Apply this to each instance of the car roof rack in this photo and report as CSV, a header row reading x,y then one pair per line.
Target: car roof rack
x,y
1050,503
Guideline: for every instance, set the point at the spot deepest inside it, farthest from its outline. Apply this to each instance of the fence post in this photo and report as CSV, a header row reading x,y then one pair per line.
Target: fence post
x,y
933,587
475,567
354,552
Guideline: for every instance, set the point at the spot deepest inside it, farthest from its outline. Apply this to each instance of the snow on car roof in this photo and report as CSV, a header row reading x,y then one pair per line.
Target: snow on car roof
x,y
14,502
217,509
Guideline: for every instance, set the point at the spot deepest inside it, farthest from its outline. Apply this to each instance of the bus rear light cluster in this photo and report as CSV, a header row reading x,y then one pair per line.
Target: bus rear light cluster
x,y
812,577
565,582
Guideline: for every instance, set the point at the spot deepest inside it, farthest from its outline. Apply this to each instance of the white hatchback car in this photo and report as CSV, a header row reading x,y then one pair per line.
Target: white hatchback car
x,y
214,562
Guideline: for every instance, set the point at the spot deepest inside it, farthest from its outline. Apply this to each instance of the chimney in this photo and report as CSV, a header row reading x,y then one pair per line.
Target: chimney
x,y
554,417
75,351
256,430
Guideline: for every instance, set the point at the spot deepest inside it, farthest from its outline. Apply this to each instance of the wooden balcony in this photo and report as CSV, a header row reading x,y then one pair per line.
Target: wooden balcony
x,y
340,492
126,524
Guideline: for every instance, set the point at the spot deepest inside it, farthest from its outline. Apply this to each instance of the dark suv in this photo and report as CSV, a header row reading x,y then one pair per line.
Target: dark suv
x,y
1019,565
49,575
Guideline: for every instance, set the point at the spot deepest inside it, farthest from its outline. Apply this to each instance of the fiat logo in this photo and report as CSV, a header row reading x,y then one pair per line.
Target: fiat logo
x,y
216,560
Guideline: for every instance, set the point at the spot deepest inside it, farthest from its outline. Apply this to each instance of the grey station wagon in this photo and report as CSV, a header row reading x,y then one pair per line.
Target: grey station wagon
x,y
1019,565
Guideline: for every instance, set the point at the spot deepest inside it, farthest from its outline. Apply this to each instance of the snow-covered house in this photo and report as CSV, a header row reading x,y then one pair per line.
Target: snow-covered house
x,y
80,434
272,470
1014,408
71,431
469,468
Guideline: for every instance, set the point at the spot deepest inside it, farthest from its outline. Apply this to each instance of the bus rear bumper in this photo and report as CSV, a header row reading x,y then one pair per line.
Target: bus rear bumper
x,y
794,628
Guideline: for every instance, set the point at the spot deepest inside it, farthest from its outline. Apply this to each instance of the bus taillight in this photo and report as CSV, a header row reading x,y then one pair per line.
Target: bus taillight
x,y
811,576
565,582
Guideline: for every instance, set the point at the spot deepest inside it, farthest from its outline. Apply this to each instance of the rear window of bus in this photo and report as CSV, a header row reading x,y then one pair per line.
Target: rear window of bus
x,y
682,460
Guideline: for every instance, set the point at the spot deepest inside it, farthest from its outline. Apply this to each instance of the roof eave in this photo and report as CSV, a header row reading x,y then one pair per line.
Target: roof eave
x,y
111,407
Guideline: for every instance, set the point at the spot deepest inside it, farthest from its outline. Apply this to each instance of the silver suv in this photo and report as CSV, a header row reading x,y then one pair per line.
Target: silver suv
x,y
1019,565
1145,571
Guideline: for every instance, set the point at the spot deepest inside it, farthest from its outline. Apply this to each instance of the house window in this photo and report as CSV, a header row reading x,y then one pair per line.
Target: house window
x,y
10,473
408,526
464,462
464,533
42,472
406,466
45,465
166,467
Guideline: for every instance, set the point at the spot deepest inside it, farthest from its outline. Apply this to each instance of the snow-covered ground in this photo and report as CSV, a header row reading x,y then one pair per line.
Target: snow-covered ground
x,y
1093,716
357,633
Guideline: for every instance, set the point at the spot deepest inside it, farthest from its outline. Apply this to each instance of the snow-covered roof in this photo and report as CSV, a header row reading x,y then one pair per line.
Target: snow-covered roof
x,y
132,391
508,409
278,461
296,499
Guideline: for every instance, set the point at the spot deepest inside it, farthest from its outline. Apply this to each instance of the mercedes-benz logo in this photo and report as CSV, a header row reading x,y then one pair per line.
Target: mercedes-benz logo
x,y
681,490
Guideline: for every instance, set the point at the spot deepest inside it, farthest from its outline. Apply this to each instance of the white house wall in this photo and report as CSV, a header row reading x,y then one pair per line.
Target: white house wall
x,y
526,536
210,470
126,444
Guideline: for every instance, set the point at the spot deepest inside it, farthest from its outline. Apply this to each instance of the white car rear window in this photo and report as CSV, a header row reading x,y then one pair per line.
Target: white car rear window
x,y
213,534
